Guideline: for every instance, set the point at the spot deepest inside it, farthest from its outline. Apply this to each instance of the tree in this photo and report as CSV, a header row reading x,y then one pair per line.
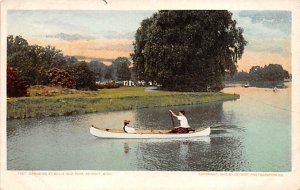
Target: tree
x,y
108,73
256,73
15,87
239,76
120,68
286,74
188,50
271,72
98,68
84,78
123,72
18,58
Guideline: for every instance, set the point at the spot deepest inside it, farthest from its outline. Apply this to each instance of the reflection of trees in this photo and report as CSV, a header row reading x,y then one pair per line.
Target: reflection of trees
x,y
198,116
224,154
218,154
162,156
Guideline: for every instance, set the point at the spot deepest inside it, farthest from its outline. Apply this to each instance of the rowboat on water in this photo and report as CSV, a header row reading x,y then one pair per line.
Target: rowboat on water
x,y
145,134
246,85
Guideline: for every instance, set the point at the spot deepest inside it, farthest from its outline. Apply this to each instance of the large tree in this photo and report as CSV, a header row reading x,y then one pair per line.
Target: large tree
x,y
188,50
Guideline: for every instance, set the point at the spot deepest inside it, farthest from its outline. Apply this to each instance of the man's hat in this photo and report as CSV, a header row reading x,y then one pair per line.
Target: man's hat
x,y
126,121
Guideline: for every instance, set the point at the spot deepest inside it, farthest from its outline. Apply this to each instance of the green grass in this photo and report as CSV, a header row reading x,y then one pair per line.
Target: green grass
x,y
105,100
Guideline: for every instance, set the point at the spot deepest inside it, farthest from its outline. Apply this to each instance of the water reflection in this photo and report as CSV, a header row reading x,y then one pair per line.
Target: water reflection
x,y
209,154
169,155
126,148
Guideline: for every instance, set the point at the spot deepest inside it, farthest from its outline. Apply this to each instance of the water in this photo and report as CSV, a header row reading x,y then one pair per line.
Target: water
x,y
249,134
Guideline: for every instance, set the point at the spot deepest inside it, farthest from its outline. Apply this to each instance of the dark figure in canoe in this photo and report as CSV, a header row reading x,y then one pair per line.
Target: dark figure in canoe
x,y
184,125
127,128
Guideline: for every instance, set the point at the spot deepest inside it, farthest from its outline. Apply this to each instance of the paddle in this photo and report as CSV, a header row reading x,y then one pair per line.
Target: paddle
x,y
172,119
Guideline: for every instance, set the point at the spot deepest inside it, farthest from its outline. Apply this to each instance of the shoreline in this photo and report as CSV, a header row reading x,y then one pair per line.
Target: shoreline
x,y
105,101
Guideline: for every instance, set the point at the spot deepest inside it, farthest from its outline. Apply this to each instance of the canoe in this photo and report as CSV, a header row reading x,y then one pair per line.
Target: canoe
x,y
146,134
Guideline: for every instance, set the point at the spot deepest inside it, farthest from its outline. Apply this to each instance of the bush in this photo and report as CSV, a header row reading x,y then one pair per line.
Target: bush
x,y
108,85
100,86
60,77
15,87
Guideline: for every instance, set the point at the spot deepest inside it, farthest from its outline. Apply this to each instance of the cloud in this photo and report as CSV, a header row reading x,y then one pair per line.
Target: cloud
x,y
281,47
117,35
70,37
269,38
104,48
99,35
107,24
280,20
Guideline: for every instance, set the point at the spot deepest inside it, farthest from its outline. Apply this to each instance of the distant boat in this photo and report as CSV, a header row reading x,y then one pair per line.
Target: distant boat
x,y
280,85
246,85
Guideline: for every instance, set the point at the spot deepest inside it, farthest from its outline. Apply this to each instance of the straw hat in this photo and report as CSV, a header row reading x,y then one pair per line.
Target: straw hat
x,y
126,121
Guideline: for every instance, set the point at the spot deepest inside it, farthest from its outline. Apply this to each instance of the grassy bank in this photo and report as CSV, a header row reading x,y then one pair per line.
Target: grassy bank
x,y
105,100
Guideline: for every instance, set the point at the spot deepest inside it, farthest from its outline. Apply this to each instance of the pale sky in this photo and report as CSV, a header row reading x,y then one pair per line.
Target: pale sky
x,y
110,34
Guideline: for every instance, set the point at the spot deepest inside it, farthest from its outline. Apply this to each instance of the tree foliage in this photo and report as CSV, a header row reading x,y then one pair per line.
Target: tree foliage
x,y
123,72
108,73
34,65
271,72
120,67
188,50
98,68
84,78
15,87
60,77
239,76
32,61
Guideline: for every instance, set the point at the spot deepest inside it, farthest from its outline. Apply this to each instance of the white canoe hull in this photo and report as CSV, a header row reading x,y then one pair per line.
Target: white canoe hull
x,y
111,135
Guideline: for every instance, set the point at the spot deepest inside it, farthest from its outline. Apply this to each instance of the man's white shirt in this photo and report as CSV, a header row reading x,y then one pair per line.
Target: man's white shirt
x,y
183,121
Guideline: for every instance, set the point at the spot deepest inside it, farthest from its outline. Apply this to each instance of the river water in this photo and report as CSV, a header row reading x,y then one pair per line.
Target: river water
x,y
250,134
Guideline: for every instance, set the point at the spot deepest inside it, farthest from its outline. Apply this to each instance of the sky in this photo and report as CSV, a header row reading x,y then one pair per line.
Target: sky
x,y
110,34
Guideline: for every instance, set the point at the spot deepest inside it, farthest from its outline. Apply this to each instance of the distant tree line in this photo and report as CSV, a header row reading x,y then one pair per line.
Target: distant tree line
x,y
29,65
271,72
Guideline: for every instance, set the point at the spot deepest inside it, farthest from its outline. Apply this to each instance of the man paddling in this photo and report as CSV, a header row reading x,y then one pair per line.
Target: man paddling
x,y
184,125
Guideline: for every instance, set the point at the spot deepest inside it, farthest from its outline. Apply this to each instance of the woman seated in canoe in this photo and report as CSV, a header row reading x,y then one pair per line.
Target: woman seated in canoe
x,y
184,126
127,128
